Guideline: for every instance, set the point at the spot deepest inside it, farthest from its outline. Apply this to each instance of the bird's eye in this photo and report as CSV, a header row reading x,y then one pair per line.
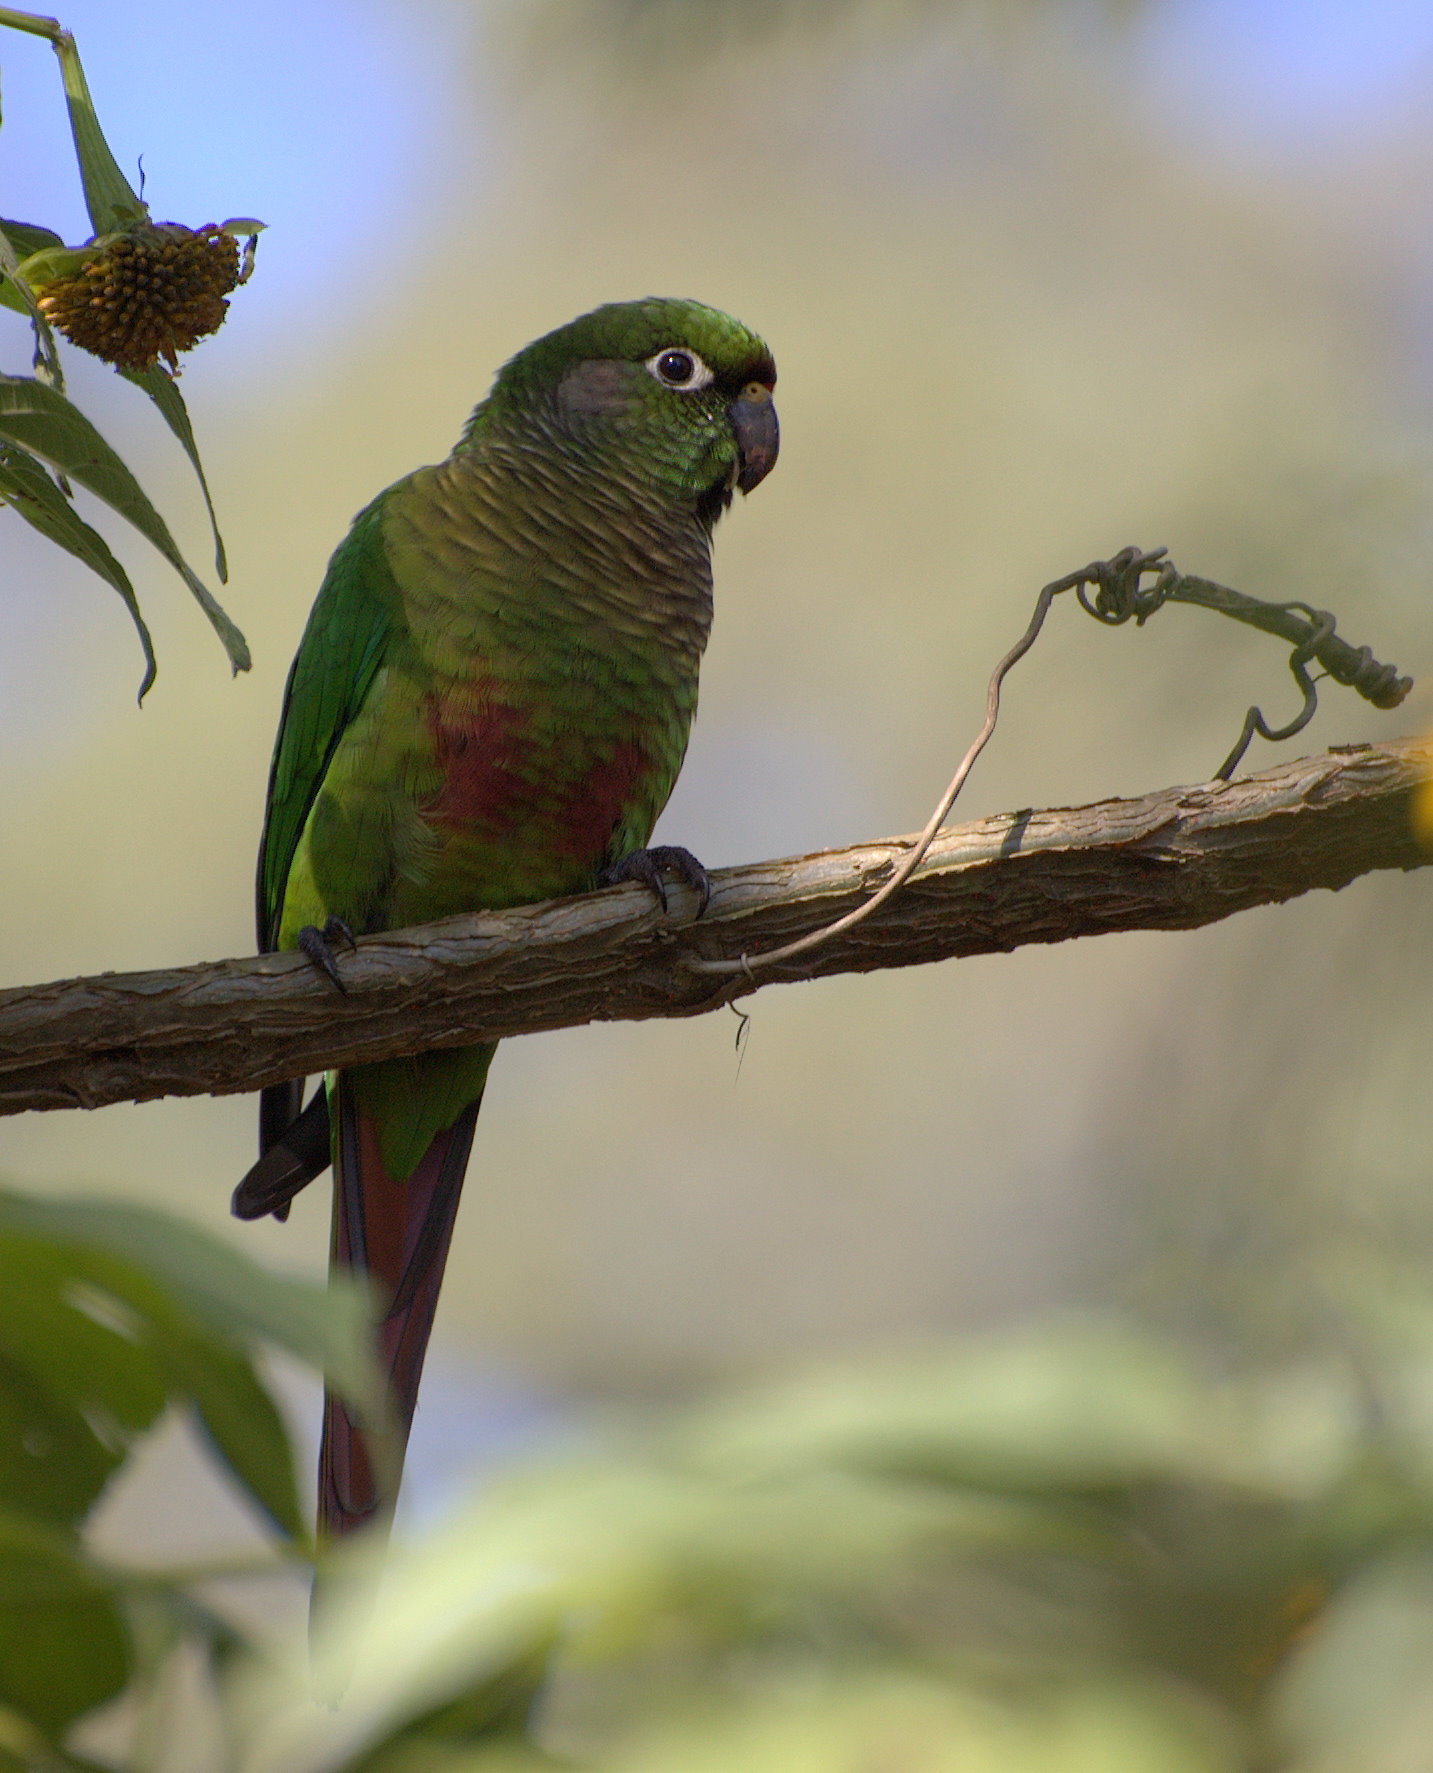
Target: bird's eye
x,y
676,367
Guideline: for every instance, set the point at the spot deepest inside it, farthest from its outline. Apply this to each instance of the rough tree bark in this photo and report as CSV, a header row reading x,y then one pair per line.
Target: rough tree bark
x,y
1172,860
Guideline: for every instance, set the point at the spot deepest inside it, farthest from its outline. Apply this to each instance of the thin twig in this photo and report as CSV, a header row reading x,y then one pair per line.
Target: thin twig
x,y
1121,594
916,854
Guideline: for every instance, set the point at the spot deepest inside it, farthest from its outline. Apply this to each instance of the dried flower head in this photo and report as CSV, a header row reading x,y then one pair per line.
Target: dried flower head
x,y
148,293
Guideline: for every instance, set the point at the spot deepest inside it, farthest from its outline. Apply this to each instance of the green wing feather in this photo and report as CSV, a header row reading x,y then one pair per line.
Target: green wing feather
x,y
341,650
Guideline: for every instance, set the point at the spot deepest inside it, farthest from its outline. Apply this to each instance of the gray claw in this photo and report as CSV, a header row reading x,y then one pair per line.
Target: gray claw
x,y
318,946
647,866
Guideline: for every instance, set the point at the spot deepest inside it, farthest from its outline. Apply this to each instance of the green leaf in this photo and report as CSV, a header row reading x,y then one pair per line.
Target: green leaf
x,y
44,421
242,1422
51,1462
27,238
63,1645
28,489
495,1708
53,264
326,1326
114,205
16,292
24,1750
246,1430
164,392
77,1382
89,1342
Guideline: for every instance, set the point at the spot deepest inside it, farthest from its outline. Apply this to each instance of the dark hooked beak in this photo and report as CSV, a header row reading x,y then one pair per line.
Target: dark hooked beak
x,y
758,436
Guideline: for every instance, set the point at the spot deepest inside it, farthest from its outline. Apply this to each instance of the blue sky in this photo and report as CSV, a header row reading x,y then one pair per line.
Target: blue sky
x,y
1286,80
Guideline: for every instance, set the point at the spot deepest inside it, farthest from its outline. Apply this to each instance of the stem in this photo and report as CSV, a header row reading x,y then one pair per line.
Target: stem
x,y
35,23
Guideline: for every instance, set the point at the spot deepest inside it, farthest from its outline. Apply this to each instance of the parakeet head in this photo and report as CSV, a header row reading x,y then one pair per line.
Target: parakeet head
x,y
672,391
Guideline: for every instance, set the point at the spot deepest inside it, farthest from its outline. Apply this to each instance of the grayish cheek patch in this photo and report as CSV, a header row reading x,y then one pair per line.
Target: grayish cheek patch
x,y
597,386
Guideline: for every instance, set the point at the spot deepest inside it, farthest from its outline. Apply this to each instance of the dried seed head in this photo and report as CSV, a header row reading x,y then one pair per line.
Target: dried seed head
x,y
150,293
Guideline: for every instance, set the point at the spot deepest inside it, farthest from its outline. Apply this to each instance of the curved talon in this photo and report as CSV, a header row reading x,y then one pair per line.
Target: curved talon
x,y
646,866
318,946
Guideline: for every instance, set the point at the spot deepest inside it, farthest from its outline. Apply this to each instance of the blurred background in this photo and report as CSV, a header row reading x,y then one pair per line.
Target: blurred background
x,y
1041,280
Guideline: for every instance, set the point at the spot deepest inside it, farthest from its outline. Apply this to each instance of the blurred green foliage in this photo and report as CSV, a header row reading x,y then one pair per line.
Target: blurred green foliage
x,y
1059,1549
109,1318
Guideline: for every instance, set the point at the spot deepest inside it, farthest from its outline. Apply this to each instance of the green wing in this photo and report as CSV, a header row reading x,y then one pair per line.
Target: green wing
x,y
343,645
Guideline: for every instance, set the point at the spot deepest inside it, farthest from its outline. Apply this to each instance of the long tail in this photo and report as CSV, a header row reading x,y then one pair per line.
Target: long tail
x,y
398,1232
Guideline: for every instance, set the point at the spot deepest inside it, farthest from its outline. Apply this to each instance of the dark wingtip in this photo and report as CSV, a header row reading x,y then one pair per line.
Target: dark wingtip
x,y
287,1166
269,1187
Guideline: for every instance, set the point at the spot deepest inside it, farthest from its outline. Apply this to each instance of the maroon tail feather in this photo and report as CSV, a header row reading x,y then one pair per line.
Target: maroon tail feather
x,y
397,1232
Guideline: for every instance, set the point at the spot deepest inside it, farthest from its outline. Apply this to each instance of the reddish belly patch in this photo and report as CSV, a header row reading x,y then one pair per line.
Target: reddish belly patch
x,y
497,781
485,760
595,804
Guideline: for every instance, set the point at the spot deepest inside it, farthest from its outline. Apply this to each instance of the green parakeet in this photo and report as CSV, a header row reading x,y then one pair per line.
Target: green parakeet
x,y
489,706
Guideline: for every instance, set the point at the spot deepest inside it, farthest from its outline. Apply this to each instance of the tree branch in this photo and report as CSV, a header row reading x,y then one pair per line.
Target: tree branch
x,y
1172,860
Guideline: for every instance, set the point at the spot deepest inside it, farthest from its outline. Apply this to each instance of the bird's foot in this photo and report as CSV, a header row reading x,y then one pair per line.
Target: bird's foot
x,y
647,867
318,946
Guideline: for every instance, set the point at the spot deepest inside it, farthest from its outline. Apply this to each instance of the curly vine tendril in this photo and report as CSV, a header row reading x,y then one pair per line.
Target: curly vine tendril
x,y
1121,593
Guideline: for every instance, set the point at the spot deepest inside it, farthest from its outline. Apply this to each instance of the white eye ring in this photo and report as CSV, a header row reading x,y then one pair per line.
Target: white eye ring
x,y
679,367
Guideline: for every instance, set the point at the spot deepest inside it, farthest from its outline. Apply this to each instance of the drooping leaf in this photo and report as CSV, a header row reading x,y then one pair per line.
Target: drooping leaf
x,y
75,1384
218,1378
244,1425
92,1348
63,1645
326,1326
111,200
28,489
164,392
43,421
17,292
